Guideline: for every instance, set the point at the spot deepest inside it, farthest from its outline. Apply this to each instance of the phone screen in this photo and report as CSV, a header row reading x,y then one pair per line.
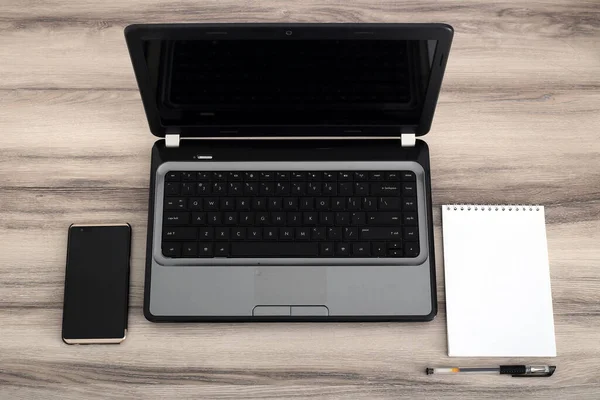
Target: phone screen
x,y
96,284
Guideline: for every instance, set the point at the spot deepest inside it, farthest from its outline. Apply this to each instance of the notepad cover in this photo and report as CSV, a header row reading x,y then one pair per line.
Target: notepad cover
x,y
498,295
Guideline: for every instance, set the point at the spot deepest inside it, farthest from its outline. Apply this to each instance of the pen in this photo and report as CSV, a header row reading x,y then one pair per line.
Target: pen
x,y
517,371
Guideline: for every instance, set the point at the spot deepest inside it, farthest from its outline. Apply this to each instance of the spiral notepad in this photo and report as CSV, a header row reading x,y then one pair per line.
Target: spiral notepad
x,y
498,296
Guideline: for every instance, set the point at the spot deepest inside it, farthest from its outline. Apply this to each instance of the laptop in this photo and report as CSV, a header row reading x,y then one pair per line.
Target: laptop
x,y
291,181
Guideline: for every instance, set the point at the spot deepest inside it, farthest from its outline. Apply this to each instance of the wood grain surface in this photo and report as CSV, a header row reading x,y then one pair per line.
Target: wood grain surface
x,y
518,121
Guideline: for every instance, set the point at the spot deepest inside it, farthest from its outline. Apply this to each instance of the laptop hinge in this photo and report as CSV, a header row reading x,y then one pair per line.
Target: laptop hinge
x,y
172,140
408,140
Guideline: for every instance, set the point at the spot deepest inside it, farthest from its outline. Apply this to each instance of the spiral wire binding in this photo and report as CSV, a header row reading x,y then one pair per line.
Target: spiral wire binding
x,y
493,207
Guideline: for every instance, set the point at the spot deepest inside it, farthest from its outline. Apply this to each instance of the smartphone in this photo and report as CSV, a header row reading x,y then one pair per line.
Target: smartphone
x,y
96,284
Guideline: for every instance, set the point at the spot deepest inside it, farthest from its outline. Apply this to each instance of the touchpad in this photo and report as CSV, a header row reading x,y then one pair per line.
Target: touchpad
x,y
290,285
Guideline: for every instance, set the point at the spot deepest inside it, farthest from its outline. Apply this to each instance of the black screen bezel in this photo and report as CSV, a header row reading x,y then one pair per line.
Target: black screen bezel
x,y
136,34
72,337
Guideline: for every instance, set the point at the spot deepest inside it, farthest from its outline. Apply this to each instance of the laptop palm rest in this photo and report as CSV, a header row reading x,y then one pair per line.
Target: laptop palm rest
x,y
302,285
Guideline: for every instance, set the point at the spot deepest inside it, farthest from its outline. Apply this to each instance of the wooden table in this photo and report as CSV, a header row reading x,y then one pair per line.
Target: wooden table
x,y
518,121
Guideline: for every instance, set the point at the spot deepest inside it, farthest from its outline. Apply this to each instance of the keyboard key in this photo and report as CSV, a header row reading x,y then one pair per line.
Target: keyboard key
x,y
235,189
266,188
188,176
409,218
227,204
207,233
282,176
384,218
329,176
294,218
211,204
266,176
342,249
408,176
307,203
230,218
370,203
172,188
188,188
286,233
173,176
203,176
411,249
380,233
302,233
222,250
234,176
270,233
394,253
344,176
250,188
389,203
350,233
219,176
338,203
310,218
334,233
409,204
360,176
361,188
238,233
326,218
322,203
263,218
314,176
342,218
358,218
278,218
409,189
392,176
195,203
171,250
254,233
242,204
205,249
345,189
317,233
213,218
259,203
290,203
189,250
179,234
275,204
394,245
410,233
176,218
326,249
354,203
329,189
376,176
298,188
274,249
247,218
378,249
386,189
175,203
298,176
198,218
222,233
202,188
250,176
282,188
314,188
219,188
361,249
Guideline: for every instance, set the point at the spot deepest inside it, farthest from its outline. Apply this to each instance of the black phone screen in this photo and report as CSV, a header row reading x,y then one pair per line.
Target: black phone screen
x,y
96,284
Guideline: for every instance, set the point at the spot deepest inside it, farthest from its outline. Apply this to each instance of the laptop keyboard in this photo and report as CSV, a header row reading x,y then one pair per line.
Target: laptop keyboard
x,y
255,214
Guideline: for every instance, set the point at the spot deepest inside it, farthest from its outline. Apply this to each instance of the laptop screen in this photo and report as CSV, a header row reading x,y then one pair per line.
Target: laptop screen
x,y
220,82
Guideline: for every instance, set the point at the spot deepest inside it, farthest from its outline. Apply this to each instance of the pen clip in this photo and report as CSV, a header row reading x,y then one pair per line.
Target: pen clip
x,y
535,371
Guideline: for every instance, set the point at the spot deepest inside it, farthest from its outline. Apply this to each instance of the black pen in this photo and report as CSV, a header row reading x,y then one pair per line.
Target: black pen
x,y
517,371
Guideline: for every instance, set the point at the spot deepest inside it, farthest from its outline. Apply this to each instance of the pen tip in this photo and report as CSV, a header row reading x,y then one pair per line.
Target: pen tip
x,y
429,371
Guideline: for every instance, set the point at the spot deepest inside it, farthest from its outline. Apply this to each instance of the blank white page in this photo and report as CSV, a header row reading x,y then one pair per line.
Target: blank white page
x,y
498,296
